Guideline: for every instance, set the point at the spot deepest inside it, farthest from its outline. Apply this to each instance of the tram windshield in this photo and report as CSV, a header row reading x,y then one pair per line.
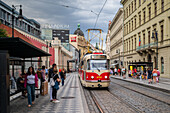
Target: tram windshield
x,y
98,65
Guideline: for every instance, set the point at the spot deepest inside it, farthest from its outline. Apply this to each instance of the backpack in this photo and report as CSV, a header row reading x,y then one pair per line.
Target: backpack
x,y
52,82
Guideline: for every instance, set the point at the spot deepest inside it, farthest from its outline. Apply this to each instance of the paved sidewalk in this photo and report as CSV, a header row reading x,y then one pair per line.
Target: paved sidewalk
x,y
163,85
70,95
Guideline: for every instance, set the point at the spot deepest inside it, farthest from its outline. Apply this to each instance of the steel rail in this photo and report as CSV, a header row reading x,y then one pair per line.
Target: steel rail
x,y
142,93
96,102
126,103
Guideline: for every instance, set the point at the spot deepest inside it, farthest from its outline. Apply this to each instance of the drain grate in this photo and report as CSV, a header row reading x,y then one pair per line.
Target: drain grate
x,y
67,97
73,87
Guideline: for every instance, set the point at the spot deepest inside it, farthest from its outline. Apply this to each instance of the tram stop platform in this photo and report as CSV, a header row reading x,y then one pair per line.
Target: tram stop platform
x,y
71,97
163,84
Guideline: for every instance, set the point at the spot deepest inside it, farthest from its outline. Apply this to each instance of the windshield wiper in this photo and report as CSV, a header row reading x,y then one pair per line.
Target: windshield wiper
x,y
97,68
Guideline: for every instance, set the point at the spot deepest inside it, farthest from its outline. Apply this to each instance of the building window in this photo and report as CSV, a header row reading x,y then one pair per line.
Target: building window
x,y
126,12
129,27
155,9
135,23
149,13
144,16
139,19
129,45
149,37
139,3
132,25
135,4
135,43
162,33
132,6
132,44
162,65
162,5
129,10
143,38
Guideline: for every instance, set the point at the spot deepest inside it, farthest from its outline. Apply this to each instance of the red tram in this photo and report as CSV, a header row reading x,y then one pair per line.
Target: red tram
x,y
94,70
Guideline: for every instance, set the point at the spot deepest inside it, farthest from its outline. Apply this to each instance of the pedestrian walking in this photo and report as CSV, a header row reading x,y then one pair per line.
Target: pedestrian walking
x,y
111,72
115,71
134,72
119,71
46,72
158,73
43,74
124,72
149,76
31,81
56,86
154,74
130,73
62,76
50,74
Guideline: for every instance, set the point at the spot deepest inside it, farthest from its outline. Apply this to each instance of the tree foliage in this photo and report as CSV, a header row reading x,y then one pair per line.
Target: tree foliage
x,y
3,33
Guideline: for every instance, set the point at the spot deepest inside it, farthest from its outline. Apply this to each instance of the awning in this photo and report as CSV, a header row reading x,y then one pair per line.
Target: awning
x,y
17,47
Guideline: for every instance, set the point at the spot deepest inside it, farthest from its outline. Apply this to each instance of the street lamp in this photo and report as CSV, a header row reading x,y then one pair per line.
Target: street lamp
x,y
155,35
20,17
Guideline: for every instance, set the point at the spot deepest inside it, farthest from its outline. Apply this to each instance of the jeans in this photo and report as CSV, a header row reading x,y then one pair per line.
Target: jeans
x,y
62,79
31,93
54,93
51,90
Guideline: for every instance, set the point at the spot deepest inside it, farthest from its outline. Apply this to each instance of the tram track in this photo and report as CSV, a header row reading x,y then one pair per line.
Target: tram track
x,y
142,93
102,108
129,105
96,103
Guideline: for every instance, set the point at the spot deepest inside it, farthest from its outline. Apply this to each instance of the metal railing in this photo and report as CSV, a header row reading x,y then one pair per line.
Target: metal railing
x,y
146,46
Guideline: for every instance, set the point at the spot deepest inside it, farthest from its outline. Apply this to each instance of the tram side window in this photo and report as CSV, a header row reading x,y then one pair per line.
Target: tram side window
x,y
88,65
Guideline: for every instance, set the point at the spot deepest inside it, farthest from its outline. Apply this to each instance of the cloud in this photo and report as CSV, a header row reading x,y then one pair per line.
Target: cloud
x,y
79,11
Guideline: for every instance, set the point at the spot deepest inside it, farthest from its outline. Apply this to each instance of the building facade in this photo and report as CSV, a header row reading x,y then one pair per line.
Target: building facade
x,y
107,50
116,36
141,19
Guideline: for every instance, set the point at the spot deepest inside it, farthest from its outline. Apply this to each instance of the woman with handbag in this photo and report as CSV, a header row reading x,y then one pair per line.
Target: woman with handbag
x,y
56,86
31,81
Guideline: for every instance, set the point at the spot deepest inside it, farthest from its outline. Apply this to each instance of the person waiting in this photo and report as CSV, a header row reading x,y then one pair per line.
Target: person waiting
x,y
20,85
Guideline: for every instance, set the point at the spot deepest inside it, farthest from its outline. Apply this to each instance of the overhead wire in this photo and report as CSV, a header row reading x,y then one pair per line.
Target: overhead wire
x,y
99,14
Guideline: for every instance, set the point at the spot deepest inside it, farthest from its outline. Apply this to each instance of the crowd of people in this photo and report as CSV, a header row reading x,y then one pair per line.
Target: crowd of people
x,y
119,71
26,83
142,74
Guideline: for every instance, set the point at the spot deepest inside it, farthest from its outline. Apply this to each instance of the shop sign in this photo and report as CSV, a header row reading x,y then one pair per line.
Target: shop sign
x,y
73,39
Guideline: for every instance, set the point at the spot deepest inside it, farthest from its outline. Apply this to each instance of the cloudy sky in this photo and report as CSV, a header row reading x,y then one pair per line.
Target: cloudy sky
x,y
79,11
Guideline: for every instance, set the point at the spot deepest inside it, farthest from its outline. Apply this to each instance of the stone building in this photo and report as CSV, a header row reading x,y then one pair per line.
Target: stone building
x,y
82,42
141,19
116,35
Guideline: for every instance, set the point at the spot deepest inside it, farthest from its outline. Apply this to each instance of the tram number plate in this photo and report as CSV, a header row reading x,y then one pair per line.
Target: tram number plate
x,y
99,76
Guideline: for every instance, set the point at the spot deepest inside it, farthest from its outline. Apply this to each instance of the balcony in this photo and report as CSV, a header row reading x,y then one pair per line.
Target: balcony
x,y
146,48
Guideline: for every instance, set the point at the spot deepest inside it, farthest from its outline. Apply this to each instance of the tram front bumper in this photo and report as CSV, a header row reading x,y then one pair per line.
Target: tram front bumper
x,y
97,84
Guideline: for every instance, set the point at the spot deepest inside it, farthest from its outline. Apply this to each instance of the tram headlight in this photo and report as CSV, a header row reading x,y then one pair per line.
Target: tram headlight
x,y
92,77
105,77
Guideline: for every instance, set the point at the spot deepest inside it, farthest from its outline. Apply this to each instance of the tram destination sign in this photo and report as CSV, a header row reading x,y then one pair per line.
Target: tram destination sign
x,y
98,57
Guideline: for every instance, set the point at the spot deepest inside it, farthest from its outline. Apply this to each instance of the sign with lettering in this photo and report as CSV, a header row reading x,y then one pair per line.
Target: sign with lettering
x,y
73,39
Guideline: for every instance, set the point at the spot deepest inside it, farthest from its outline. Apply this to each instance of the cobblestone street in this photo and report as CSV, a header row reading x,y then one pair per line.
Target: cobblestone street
x,y
70,96
120,97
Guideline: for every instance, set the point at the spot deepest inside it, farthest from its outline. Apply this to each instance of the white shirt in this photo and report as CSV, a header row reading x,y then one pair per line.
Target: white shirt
x,y
31,79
